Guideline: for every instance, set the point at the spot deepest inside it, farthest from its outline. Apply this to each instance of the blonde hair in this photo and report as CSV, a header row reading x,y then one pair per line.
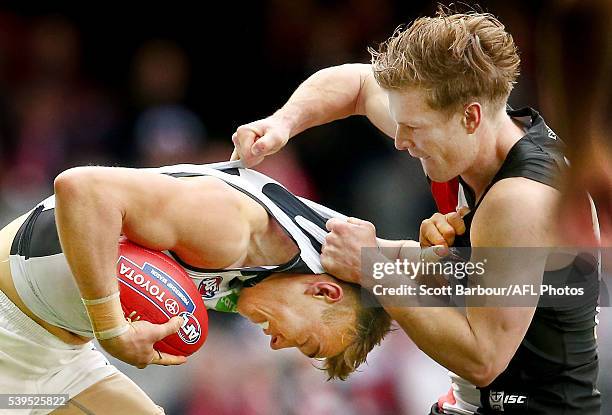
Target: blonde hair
x,y
371,326
454,57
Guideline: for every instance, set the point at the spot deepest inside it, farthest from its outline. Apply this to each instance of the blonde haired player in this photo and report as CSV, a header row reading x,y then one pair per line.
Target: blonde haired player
x,y
249,244
440,87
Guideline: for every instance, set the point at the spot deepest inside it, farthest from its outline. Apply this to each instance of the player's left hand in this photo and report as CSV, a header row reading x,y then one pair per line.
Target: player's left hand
x,y
136,345
341,252
442,229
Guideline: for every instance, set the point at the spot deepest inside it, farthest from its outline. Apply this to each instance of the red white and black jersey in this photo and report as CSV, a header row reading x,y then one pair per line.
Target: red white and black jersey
x,y
554,370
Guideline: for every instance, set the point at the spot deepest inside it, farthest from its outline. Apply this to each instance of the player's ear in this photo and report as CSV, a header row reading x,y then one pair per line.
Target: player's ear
x,y
471,117
329,291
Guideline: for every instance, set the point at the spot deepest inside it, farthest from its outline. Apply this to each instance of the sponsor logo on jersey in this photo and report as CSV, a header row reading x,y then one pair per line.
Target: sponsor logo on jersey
x,y
208,287
190,331
149,280
497,400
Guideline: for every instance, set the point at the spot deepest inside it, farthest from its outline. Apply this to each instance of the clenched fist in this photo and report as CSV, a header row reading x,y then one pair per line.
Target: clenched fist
x,y
441,229
341,252
258,139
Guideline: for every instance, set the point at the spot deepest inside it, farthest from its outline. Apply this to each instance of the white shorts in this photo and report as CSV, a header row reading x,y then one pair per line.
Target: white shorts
x,y
32,360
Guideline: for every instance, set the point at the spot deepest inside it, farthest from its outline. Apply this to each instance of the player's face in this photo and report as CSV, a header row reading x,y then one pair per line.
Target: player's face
x,y
439,141
291,315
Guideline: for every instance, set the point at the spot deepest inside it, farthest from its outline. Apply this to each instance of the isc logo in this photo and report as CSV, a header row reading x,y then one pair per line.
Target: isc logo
x,y
497,400
190,330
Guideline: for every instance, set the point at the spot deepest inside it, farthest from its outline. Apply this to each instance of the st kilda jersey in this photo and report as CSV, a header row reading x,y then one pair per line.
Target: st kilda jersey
x,y
554,370
303,220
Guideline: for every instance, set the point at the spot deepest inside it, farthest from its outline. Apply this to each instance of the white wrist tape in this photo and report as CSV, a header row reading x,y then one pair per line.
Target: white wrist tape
x,y
111,333
101,300
106,316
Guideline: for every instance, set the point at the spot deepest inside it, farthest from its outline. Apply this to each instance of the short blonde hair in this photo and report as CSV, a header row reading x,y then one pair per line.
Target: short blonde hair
x,y
454,57
371,326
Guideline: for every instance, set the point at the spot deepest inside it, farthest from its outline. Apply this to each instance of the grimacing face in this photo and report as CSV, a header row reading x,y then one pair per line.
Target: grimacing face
x,y
289,309
441,143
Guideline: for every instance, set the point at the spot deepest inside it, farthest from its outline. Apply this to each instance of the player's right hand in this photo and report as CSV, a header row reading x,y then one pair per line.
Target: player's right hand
x,y
441,229
258,139
136,345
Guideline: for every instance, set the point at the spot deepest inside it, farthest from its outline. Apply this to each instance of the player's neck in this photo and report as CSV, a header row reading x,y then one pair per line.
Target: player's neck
x,y
497,137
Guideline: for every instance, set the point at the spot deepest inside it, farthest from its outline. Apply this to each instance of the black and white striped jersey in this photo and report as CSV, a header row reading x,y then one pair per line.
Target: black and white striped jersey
x,y
43,279
303,220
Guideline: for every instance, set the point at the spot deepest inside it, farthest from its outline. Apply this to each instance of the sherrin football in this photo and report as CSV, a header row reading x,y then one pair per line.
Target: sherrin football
x,y
155,287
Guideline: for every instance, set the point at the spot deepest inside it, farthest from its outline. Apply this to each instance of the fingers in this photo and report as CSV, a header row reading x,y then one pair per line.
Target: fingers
x,y
136,346
429,235
434,253
455,220
463,210
335,224
360,222
243,140
254,141
442,229
436,231
327,261
235,155
170,327
267,144
339,225
166,359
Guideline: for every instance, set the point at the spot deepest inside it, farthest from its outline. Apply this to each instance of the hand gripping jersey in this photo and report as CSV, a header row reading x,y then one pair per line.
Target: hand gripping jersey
x,y
554,370
43,280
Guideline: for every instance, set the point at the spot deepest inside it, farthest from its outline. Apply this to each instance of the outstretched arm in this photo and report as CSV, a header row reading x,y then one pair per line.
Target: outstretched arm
x,y
329,94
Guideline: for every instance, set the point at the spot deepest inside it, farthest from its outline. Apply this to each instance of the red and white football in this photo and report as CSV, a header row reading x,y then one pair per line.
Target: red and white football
x,y
157,288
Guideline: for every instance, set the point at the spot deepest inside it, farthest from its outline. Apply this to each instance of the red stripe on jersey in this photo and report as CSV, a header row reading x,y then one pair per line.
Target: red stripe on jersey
x,y
446,195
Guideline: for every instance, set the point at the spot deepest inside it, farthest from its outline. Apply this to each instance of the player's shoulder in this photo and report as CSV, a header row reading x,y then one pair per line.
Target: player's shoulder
x,y
519,191
516,211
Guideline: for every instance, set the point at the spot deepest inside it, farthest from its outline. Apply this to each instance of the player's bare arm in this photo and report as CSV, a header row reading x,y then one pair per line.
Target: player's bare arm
x,y
478,345
329,94
155,211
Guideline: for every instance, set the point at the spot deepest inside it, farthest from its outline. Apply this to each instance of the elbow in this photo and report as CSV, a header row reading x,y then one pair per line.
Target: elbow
x,y
66,181
72,182
484,374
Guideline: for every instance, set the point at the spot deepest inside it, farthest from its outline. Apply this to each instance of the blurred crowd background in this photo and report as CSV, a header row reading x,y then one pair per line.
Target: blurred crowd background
x,y
149,85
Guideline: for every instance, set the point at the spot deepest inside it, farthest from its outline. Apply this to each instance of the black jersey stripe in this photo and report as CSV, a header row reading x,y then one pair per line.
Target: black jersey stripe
x,y
23,239
45,239
294,207
232,171
37,237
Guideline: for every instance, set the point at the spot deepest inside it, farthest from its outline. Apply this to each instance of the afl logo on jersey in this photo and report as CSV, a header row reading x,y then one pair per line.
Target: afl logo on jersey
x,y
190,330
210,286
